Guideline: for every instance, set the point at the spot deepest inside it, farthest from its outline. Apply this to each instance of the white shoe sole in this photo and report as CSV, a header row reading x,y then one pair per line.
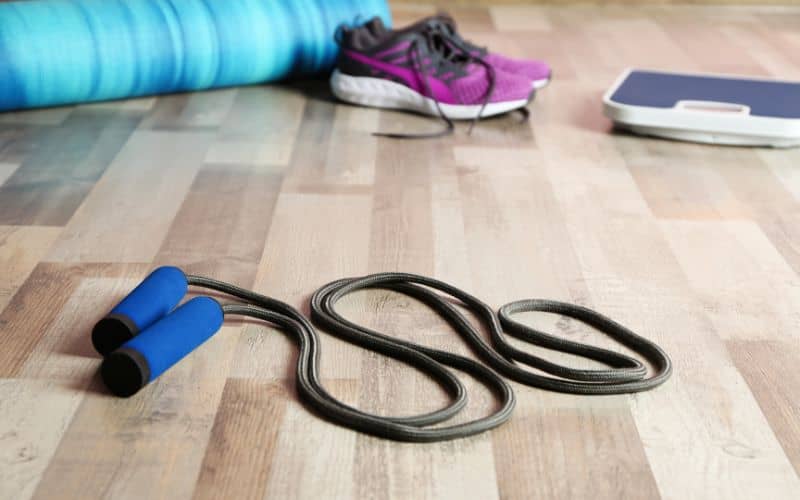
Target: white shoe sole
x,y
382,93
540,84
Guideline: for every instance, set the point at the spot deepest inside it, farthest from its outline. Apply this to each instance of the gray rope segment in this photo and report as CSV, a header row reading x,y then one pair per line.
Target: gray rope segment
x,y
413,428
623,375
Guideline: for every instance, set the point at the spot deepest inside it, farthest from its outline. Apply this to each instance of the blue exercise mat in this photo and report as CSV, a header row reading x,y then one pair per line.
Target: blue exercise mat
x,y
66,51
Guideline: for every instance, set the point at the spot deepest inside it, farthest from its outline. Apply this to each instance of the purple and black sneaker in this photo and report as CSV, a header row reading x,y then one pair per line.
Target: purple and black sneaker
x,y
538,72
419,69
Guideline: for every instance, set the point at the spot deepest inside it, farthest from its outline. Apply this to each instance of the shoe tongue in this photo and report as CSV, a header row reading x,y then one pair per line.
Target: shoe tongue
x,y
441,45
441,23
447,20
375,25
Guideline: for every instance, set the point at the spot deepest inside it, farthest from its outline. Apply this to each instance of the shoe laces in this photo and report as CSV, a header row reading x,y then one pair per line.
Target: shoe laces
x,y
447,25
443,49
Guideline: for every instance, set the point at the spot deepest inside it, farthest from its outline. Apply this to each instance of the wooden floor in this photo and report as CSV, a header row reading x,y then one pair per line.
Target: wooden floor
x,y
281,189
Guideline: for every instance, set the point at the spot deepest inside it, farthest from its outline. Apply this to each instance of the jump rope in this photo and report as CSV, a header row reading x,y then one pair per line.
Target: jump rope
x,y
146,334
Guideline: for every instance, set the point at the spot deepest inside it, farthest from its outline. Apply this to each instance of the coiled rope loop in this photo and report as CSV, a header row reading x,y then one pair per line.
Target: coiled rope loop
x,y
623,375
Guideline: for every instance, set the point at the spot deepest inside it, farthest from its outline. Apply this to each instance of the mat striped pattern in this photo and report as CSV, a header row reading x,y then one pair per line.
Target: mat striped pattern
x,y
64,51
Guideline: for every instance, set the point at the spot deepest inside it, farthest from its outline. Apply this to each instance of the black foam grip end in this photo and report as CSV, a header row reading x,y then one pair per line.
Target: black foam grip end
x,y
111,332
125,371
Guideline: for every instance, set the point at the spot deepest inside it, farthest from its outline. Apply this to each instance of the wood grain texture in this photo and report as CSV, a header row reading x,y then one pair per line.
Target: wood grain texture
x,y
238,459
144,187
770,370
29,435
21,248
6,169
63,166
282,189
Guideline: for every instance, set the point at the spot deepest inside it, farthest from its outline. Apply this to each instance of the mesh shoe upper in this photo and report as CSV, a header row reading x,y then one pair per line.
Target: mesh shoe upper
x,y
532,69
507,87
424,61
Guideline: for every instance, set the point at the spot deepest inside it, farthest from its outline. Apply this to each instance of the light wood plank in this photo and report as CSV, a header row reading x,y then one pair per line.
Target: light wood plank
x,y
50,116
151,445
65,351
351,157
62,166
129,211
536,259
95,456
681,181
553,437
761,44
37,304
520,18
772,204
770,370
189,111
327,472
298,257
782,165
18,141
238,459
33,417
743,283
6,170
21,248
701,41
260,127
632,276
400,227
221,226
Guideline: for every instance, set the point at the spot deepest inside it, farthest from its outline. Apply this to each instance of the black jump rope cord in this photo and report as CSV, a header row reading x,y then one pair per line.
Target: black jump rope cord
x,y
624,375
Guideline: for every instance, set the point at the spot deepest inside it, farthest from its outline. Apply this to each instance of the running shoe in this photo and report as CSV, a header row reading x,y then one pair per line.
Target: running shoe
x,y
419,70
538,72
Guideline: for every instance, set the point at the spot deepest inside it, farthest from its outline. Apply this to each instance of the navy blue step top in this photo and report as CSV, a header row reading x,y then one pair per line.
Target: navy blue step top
x,y
766,98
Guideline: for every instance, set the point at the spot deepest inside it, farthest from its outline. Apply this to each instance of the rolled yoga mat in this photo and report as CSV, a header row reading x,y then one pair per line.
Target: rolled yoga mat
x,y
68,51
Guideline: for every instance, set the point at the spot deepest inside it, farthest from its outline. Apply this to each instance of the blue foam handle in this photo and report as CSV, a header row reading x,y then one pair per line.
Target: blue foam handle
x,y
153,299
143,358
